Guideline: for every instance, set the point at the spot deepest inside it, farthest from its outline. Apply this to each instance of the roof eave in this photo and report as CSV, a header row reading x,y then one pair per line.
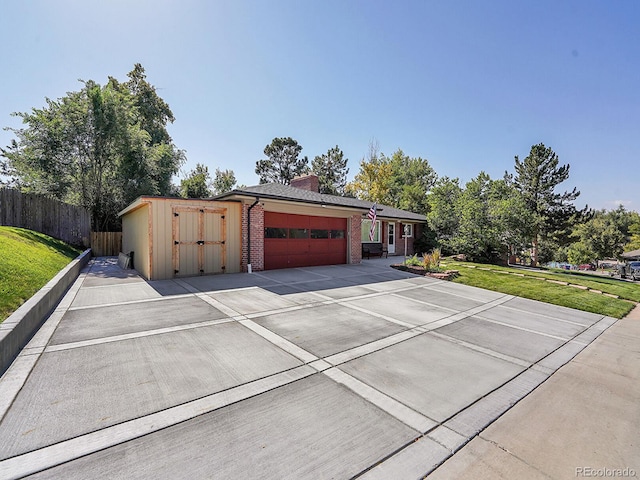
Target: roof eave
x,y
268,196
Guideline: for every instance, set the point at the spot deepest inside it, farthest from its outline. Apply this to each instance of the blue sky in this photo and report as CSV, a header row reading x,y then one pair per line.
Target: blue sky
x,y
466,84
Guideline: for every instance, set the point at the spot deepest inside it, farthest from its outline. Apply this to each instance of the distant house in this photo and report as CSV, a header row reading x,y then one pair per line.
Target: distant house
x,y
632,255
262,227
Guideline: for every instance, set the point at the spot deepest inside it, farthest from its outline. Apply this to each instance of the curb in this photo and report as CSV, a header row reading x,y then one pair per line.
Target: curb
x,y
22,324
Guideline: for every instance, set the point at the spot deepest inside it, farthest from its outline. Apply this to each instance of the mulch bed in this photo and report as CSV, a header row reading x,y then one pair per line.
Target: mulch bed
x,y
417,270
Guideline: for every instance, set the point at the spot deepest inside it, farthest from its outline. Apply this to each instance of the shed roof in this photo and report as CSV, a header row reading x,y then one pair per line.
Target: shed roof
x,y
277,191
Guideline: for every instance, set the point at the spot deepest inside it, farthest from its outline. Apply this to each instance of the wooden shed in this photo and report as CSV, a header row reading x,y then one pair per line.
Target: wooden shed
x,y
175,237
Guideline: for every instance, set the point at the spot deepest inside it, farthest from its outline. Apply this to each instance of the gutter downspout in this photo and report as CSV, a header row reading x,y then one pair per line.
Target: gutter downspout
x,y
249,234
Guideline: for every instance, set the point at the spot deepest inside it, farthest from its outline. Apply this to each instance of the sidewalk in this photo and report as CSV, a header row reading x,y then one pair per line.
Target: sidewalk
x,y
584,421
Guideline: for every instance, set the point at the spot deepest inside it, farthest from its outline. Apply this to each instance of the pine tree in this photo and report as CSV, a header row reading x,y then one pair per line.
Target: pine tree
x,y
331,169
537,178
282,163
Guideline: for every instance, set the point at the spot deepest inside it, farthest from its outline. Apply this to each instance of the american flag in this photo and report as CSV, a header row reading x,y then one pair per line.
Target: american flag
x,y
372,215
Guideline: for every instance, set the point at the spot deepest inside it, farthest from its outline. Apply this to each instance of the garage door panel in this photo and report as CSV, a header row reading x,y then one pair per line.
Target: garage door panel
x,y
319,222
272,219
319,246
276,246
308,241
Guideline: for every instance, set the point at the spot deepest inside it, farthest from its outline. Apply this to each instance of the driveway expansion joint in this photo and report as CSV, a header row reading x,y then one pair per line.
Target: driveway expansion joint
x,y
436,438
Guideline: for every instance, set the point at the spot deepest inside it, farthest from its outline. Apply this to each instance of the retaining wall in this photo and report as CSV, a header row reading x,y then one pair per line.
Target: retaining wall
x,y
17,330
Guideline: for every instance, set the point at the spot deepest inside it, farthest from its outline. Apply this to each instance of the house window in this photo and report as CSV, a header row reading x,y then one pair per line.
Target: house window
x,y
407,230
366,226
337,234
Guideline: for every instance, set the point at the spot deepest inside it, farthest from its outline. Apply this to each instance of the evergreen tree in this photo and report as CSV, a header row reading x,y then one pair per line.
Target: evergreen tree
x,y
536,178
331,169
282,163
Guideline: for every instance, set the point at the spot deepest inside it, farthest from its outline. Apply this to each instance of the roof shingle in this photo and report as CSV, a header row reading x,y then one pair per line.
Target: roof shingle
x,y
298,195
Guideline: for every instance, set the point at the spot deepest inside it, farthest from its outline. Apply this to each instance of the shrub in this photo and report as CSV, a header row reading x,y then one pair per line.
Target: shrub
x,y
436,255
413,261
427,261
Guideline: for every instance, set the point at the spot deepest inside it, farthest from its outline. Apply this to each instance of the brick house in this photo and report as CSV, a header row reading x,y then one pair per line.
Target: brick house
x,y
294,226
262,227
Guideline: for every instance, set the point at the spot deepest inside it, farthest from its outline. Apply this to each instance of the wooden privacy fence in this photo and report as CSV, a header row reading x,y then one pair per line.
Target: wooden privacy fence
x,y
106,244
43,214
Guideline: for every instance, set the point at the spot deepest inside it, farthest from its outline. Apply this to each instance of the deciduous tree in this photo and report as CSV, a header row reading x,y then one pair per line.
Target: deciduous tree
x,y
607,233
92,147
411,181
196,184
634,236
373,180
485,220
443,217
224,181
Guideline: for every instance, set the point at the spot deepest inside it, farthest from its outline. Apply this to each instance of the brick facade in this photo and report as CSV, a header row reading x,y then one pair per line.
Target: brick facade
x,y
257,238
400,240
356,244
399,237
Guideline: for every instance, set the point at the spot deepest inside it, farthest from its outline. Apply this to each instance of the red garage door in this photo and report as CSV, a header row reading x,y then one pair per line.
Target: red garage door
x,y
302,241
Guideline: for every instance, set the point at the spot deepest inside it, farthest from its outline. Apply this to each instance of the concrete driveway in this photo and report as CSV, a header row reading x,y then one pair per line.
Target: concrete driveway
x,y
324,372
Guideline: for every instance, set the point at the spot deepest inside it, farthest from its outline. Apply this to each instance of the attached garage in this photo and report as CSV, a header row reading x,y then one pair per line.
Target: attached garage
x,y
173,237
303,240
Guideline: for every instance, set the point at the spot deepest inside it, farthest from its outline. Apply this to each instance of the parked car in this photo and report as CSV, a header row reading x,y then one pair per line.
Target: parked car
x,y
587,266
630,270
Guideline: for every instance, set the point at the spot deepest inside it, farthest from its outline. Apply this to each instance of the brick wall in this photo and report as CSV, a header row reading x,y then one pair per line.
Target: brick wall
x,y
257,238
356,244
306,182
400,239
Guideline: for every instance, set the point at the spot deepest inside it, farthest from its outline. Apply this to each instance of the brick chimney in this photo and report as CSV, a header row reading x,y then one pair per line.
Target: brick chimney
x,y
306,182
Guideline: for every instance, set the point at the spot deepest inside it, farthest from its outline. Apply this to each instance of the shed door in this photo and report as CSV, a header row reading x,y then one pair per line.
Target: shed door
x,y
199,240
301,240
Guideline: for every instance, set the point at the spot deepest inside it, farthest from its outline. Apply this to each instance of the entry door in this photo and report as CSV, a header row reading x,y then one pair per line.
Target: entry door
x,y
392,237
199,236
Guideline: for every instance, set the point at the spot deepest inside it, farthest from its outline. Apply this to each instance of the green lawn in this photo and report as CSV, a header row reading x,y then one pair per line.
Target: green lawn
x,y
532,288
28,261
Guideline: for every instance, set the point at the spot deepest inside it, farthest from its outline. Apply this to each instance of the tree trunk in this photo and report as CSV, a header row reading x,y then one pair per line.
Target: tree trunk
x,y
534,252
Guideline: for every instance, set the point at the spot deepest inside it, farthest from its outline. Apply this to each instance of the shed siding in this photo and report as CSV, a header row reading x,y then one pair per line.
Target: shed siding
x,y
163,233
135,238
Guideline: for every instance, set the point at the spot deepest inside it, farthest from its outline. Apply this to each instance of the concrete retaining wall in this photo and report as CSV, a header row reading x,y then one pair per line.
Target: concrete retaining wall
x,y
17,330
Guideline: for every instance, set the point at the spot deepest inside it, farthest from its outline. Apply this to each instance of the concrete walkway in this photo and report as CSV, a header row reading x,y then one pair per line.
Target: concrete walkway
x,y
325,372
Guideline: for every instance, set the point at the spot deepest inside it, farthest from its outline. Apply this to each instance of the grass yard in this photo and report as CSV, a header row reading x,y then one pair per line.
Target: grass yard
x,y
28,261
528,286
